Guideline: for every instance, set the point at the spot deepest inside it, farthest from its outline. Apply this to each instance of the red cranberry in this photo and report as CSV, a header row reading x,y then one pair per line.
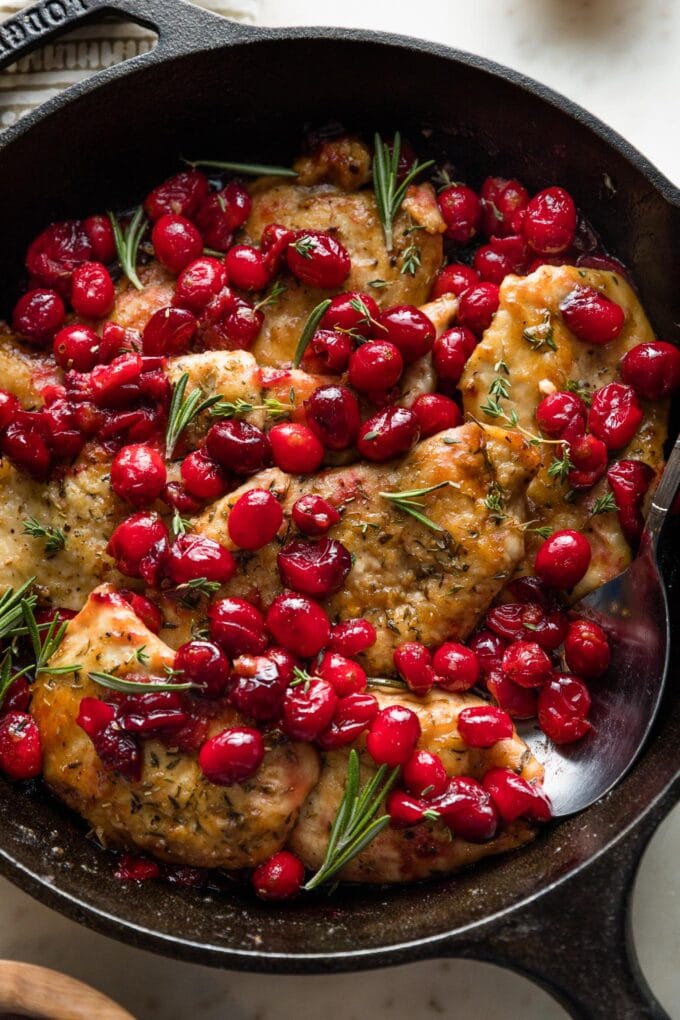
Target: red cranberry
x,y
353,311
477,307
586,649
177,497
549,631
255,518
333,416
25,443
138,474
136,869
9,406
451,352
393,735
205,665
563,705
55,253
308,709
489,648
413,662
318,259
146,714
501,200
461,211
454,279
176,242
202,477
20,748
316,568
298,624
353,636
92,290
409,330
17,696
376,365
237,627
406,810
562,415
238,446
652,369
424,775
101,237
591,316
468,810
116,339
280,877
273,244
144,609
113,385
514,621
37,315
295,448
352,716
531,589
615,415
484,725
199,283
180,195
518,702
549,225
563,559
246,268
629,481
328,352
526,664
258,686
435,413
588,456
456,667
493,264
195,556
232,756
223,212
389,433
139,546
313,515
344,675
76,347
169,332
515,798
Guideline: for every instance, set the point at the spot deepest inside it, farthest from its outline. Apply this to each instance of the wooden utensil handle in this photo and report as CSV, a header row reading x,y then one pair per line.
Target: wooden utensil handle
x,y
43,994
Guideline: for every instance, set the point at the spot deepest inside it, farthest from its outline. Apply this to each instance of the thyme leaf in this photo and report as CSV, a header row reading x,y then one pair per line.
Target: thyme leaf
x,y
410,260
239,407
494,503
272,295
191,591
127,243
561,466
179,525
389,194
605,504
55,539
183,411
309,329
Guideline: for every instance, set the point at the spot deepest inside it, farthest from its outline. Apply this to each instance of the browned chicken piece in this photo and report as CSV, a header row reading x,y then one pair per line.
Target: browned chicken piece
x,y
344,162
412,582
25,371
406,855
535,371
172,811
134,308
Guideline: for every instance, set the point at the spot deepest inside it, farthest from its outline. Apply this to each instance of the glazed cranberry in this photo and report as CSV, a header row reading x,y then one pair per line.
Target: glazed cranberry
x,y
456,667
518,702
115,384
199,283
150,713
629,481
514,621
169,332
344,675
115,340
222,213
424,774
531,589
413,662
144,609
205,665
562,415
237,627
454,279
467,809
246,268
237,330
352,716
318,259
136,869
139,546
450,353
499,258
652,369
313,515
591,316
409,330
563,705
176,242
17,696
515,798
477,307
92,290
549,225
406,810
588,456
461,211
177,497
435,413
202,477
20,748
353,636
355,311
232,756
101,237
586,649
563,559
55,253
295,448
526,664
258,686
389,433
312,567
376,365
328,351
484,725
196,556
76,347
393,735
238,446
308,709
615,415
9,406
180,195
37,315
254,519
489,648
549,632
118,751
94,716
24,442
280,877
274,241
333,416
298,624
138,474
501,200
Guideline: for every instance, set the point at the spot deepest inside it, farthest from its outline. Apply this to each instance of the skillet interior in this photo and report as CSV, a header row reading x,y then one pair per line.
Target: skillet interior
x,y
108,146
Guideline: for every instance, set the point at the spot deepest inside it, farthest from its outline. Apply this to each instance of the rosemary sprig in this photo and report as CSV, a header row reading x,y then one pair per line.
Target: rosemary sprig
x,y
388,682
55,539
237,408
248,169
117,683
605,504
11,609
410,260
355,824
7,677
542,334
183,411
127,244
409,501
388,193
46,644
309,329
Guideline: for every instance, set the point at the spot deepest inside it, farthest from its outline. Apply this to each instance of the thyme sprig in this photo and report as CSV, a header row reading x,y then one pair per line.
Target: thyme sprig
x,y
179,525
561,465
190,592
247,169
127,243
495,503
541,335
389,194
118,683
55,539
274,407
272,295
309,329
183,411
409,501
604,504
410,260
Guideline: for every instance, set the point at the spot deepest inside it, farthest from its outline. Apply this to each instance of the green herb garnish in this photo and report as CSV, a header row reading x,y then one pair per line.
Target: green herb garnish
x,y
127,244
117,683
389,194
247,169
183,411
55,539
309,329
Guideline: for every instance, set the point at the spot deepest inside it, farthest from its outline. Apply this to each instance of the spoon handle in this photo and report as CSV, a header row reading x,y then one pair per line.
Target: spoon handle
x,y
663,497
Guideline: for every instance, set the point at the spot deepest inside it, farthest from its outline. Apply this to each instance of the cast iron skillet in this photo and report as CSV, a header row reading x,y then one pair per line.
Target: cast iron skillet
x,y
558,910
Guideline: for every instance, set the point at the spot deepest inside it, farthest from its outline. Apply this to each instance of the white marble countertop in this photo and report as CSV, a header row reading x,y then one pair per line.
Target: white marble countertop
x,y
618,58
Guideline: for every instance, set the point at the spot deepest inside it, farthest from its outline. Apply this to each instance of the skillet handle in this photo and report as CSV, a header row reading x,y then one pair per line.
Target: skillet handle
x,y
575,940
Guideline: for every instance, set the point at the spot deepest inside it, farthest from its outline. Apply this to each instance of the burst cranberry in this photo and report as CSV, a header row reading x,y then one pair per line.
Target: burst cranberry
x,y
76,347
456,667
25,443
562,415
274,241
316,568
177,497
258,686
467,809
354,311
94,716
169,332
92,290
205,665
199,283
102,239
413,662
54,254
531,589
435,413
118,751
353,636
298,624
406,810
461,211
255,518
237,627
344,675
515,798
615,415
313,515
180,195
20,748
563,705
652,369
238,446
246,268
37,315
501,201
280,877
115,384
202,477
232,756
526,664
454,279
9,407
295,448
393,735
451,352
138,474
333,416
629,481
389,433
328,351
409,330
549,225
518,702
489,648
17,696
157,711
484,725
424,774
591,316
588,456
116,339
352,716
514,621
586,649
549,632
176,242
136,869
196,556
236,329
477,307
139,546
318,259
222,213
144,609
563,559
376,365
308,709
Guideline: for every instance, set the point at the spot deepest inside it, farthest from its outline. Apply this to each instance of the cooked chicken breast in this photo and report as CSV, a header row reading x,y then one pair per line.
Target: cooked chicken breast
x,y
24,371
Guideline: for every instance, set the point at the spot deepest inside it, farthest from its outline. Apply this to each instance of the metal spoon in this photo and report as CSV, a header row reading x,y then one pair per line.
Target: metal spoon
x,y
633,610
